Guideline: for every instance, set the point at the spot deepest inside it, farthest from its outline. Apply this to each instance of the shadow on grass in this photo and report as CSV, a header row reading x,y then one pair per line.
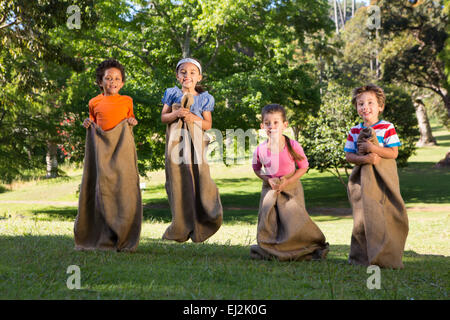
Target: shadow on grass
x,y
421,183
35,267
235,200
58,213
163,214
229,216
232,216
182,251
444,144
240,199
149,214
3,189
238,182
319,192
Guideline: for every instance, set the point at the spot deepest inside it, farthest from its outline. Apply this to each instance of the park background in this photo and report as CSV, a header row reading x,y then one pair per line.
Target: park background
x,y
305,55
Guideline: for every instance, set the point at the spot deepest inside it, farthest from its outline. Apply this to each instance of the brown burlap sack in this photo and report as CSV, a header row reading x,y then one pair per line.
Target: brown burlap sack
x,y
193,196
110,206
380,221
369,135
285,230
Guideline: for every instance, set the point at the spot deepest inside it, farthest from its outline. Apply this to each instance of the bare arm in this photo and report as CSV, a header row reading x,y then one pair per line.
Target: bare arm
x,y
87,122
273,182
371,158
263,177
283,181
295,177
169,116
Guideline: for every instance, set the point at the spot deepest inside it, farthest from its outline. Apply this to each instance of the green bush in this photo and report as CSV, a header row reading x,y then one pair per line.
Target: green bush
x,y
400,111
324,136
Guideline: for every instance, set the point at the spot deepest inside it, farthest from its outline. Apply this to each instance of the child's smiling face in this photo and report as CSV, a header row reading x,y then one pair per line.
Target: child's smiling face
x,y
112,81
368,108
188,75
274,124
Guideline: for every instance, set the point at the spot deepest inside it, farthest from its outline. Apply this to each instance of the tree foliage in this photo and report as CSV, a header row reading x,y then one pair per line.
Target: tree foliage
x,y
414,53
324,137
245,48
32,71
253,53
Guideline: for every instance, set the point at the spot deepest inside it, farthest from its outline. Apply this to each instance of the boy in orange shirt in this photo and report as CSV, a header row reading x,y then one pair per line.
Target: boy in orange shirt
x,y
109,108
110,204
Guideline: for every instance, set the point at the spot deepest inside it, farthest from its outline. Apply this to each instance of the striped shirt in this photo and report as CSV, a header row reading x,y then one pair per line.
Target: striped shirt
x,y
385,131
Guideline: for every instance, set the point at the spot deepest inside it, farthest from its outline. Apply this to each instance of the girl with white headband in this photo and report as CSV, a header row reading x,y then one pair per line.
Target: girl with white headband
x,y
193,196
189,74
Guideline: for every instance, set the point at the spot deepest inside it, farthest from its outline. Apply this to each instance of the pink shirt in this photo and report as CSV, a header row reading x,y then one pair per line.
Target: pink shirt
x,y
278,164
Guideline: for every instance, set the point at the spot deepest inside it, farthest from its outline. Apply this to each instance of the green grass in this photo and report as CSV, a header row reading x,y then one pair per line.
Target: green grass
x,y
36,241
36,254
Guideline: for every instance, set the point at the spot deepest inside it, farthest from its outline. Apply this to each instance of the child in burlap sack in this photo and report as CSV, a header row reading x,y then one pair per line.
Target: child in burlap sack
x,y
193,196
380,221
110,204
285,230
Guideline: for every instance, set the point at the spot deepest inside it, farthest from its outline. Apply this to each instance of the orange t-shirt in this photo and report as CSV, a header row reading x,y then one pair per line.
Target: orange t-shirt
x,y
109,111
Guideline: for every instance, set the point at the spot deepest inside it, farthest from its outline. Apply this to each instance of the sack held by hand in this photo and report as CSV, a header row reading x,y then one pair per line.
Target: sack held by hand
x,y
366,135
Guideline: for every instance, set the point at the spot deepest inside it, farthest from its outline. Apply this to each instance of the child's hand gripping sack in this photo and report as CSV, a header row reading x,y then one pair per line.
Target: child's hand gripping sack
x,y
182,109
366,137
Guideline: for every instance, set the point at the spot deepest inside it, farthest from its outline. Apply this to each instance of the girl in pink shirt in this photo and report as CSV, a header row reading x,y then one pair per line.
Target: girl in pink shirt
x,y
285,230
279,155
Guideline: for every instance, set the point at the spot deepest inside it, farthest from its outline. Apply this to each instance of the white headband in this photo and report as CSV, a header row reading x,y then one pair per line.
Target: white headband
x,y
191,61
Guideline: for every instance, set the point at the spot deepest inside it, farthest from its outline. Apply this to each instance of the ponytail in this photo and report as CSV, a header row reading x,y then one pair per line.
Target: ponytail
x,y
291,150
199,88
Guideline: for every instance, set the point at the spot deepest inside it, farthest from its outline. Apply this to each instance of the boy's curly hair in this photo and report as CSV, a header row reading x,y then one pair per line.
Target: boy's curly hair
x,y
378,91
105,65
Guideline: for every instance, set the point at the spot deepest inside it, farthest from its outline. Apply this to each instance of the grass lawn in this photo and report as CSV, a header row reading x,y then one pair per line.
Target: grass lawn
x,y
36,241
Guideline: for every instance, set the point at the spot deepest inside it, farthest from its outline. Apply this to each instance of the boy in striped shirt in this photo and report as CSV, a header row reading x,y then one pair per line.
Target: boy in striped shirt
x,y
369,101
380,221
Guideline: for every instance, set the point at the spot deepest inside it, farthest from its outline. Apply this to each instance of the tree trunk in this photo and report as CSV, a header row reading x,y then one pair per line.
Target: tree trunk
x,y
426,136
446,99
186,45
339,7
336,17
3,112
345,10
52,160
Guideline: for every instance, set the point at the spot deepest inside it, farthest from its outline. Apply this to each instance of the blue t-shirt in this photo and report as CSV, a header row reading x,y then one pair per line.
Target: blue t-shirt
x,y
203,102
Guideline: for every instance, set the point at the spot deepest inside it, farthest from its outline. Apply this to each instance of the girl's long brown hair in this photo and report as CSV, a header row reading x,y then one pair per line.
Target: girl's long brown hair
x,y
274,108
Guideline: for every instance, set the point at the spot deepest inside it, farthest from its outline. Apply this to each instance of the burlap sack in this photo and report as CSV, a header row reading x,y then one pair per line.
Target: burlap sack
x,y
285,230
369,135
380,221
110,206
193,196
